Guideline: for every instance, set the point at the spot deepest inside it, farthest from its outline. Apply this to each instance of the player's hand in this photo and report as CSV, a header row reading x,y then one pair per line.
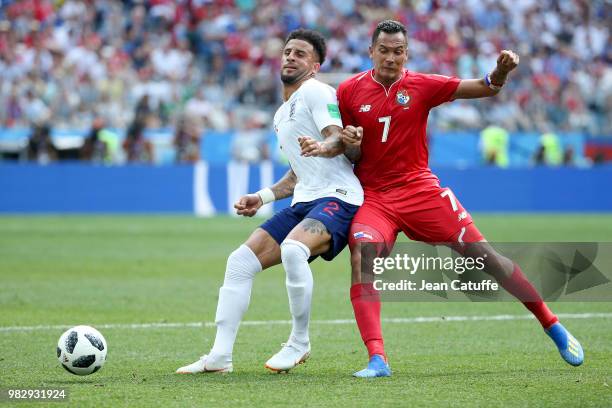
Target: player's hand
x,y
310,147
507,61
248,205
352,135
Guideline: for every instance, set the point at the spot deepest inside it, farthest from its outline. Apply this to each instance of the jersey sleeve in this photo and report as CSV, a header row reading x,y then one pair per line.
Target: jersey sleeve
x,y
345,112
322,102
441,88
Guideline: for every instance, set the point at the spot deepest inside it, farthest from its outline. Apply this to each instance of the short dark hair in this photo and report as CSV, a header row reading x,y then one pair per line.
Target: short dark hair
x,y
312,37
389,27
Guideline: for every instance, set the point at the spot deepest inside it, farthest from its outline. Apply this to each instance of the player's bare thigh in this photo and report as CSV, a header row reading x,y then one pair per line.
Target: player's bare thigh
x,y
312,233
265,248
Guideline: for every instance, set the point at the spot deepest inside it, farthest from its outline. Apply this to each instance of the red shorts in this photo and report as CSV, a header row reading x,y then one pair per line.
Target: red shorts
x,y
432,215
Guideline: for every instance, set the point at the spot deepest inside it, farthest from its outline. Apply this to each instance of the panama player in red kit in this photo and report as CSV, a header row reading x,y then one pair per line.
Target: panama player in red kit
x,y
385,113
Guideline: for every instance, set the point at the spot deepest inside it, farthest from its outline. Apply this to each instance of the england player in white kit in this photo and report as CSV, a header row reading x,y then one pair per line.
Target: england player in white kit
x,y
326,196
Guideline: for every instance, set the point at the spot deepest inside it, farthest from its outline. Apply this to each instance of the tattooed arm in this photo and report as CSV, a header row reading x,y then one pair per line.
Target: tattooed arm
x,y
249,204
351,137
330,147
353,153
285,186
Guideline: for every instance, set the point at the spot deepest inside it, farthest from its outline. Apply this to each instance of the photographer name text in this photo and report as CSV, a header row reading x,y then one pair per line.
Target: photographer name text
x,y
407,285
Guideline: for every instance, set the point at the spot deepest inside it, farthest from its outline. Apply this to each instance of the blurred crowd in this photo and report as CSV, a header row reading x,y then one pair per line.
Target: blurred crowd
x,y
198,64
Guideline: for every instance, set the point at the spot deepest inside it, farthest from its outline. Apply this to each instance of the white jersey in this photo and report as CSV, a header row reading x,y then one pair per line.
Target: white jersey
x,y
310,109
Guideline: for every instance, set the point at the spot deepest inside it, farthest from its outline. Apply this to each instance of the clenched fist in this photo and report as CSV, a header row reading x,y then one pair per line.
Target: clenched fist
x,y
507,61
310,147
352,135
248,205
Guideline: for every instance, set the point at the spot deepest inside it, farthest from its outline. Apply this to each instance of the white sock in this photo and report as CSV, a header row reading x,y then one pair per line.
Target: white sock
x,y
234,297
299,287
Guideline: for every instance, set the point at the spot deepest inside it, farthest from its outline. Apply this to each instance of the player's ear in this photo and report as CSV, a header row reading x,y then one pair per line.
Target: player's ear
x,y
370,49
316,67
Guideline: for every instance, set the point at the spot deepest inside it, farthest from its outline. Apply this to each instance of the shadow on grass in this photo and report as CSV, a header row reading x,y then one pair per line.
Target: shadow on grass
x,y
475,373
77,381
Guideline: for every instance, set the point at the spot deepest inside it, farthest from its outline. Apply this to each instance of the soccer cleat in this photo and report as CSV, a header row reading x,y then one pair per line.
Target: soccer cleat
x,y
205,365
377,367
569,348
290,355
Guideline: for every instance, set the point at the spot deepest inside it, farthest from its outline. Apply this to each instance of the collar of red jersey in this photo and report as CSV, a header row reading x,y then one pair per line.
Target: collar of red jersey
x,y
404,71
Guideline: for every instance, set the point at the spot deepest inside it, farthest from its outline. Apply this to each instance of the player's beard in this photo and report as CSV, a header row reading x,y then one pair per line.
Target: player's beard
x,y
295,78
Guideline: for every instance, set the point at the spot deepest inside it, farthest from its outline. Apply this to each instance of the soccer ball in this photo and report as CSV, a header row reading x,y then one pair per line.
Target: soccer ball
x,y
82,350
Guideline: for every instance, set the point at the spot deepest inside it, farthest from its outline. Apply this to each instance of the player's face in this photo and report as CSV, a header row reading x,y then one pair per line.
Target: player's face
x,y
299,61
389,54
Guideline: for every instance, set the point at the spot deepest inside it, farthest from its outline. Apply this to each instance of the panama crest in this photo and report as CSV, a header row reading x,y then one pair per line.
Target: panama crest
x,y
402,97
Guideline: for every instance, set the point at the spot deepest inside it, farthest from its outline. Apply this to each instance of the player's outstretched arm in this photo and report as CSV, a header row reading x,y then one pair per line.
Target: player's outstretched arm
x,y
330,147
492,83
249,204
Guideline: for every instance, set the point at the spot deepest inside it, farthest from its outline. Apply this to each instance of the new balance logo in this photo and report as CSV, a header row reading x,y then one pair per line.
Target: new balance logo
x,y
365,108
462,216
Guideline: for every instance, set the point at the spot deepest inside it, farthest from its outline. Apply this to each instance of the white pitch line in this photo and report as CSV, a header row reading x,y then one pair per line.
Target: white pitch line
x,y
400,320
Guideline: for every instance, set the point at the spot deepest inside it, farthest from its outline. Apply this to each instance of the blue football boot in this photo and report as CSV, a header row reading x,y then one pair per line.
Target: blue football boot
x,y
377,367
569,348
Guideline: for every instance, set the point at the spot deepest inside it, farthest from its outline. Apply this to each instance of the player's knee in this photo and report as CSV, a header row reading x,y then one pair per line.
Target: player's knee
x,y
355,266
293,253
362,259
242,264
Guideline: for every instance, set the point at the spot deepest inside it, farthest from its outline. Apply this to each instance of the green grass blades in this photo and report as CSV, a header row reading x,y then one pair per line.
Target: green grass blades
x,y
110,272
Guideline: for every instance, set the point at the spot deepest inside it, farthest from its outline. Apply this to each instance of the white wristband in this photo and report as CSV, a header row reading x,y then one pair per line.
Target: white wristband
x,y
266,195
492,85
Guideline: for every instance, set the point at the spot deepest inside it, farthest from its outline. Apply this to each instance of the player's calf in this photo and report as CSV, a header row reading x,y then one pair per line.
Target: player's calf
x,y
299,284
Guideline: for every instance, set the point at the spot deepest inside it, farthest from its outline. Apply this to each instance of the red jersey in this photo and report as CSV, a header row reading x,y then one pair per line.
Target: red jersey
x,y
394,149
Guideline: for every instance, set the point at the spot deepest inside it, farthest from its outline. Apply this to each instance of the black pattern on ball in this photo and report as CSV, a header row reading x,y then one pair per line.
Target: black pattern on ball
x,y
68,369
96,342
84,361
59,352
71,341
96,368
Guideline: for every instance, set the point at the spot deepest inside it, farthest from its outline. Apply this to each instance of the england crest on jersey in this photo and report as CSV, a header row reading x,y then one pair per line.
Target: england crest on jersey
x,y
402,97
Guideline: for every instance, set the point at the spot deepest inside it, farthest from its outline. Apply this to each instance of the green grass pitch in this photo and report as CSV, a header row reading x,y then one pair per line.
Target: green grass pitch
x,y
103,270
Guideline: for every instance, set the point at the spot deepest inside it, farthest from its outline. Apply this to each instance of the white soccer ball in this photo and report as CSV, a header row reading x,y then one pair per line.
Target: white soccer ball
x,y
82,350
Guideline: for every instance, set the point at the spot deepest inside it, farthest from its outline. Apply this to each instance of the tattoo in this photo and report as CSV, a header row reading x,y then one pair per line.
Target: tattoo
x,y
498,77
313,226
353,153
285,186
333,145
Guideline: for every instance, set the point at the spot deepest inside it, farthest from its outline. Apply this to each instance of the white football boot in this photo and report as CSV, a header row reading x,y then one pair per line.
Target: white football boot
x,y
290,355
206,364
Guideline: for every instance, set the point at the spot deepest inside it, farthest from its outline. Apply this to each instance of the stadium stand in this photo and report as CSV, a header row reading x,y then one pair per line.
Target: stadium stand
x,y
211,64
